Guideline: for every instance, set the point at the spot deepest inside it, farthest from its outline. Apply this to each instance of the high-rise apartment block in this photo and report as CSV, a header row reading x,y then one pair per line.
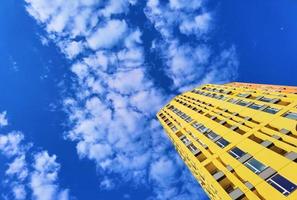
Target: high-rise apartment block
x,y
239,140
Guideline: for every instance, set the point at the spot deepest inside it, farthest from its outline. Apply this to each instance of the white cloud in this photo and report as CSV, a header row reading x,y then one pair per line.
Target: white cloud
x,y
41,178
18,168
189,64
203,21
3,119
223,68
128,82
185,4
71,48
44,177
19,192
10,144
107,184
108,35
115,7
44,41
61,16
163,171
186,65
198,26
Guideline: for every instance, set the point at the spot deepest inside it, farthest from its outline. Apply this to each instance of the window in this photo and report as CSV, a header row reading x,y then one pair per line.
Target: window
x,y
202,129
243,95
219,97
189,119
192,148
212,135
282,184
255,106
222,143
254,165
232,100
196,125
271,110
265,99
291,115
236,152
185,140
173,128
242,103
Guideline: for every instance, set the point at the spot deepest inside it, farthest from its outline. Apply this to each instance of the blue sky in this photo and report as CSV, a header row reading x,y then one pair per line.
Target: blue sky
x,y
81,83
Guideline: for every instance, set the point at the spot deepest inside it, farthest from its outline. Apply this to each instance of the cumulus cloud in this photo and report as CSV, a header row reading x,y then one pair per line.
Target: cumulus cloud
x,y
199,25
44,177
194,62
18,168
71,48
185,4
108,35
10,144
115,7
3,119
112,113
19,192
40,178
107,184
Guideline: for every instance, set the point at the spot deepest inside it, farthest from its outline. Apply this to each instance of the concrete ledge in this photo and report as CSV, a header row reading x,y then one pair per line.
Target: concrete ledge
x,y
244,158
236,194
291,155
267,173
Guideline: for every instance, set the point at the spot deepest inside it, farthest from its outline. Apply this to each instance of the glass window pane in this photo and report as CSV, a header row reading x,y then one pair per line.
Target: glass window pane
x,y
173,128
265,99
202,129
255,165
243,95
291,115
236,152
232,100
222,142
255,106
192,148
196,125
282,184
242,103
271,110
212,135
189,119
185,140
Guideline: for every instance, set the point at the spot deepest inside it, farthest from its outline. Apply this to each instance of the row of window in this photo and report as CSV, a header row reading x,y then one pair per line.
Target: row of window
x,y
217,90
250,90
194,150
194,108
189,145
271,110
168,122
276,180
181,114
196,102
219,140
236,129
262,98
290,115
211,95
254,106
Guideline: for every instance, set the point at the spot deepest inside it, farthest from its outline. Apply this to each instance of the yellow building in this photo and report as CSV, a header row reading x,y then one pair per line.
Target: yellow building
x,y
239,140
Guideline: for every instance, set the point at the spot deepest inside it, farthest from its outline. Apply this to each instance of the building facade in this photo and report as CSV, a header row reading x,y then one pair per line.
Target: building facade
x,y
239,140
